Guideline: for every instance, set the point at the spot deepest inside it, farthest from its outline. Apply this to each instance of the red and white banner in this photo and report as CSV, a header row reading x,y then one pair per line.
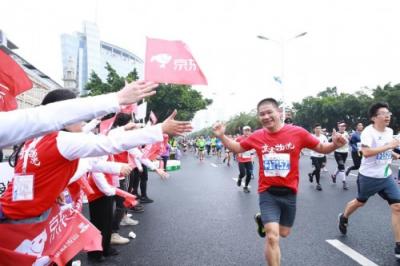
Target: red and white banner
x,y
57,239
106,125
141,111
13,81
171,62
153,118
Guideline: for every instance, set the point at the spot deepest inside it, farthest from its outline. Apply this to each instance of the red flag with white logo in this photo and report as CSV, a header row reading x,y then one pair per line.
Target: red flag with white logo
x,y
13,81
57,239
171,62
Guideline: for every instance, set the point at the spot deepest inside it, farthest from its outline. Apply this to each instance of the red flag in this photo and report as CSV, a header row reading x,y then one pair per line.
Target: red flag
x,y
57,239
13,81
171,62
106,125
153,118
129,109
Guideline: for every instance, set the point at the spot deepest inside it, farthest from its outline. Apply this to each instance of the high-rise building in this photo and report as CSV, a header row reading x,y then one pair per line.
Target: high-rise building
x,y
42,83
84,52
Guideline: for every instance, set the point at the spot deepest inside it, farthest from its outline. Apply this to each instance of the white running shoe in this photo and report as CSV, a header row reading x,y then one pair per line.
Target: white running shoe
x,y
128,221
116,239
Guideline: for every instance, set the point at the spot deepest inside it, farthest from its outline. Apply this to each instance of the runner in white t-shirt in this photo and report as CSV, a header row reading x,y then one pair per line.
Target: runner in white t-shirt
x,y
374,175
317,159
341,156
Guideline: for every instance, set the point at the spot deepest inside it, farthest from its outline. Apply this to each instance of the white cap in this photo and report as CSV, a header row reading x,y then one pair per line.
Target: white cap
x,y
246,128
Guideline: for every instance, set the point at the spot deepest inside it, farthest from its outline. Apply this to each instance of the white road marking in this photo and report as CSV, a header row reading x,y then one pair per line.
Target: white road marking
x,y
214,165
360,259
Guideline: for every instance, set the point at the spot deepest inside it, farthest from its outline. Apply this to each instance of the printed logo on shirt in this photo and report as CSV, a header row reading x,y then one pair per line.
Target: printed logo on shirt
x,y
278,148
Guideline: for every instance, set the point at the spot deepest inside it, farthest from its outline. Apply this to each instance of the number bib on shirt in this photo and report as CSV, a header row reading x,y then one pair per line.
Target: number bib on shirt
x,y
276,164
22,187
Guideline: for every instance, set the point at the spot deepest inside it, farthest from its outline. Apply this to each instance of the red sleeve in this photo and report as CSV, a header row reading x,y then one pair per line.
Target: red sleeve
x,y
247,143
308,140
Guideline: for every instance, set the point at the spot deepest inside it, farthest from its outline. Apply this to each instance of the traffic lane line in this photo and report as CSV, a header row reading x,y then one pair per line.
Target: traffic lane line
x,y
360,259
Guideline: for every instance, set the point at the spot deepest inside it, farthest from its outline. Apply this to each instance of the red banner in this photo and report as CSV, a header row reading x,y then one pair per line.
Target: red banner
x,y
171,62
57,239
106,125
13,81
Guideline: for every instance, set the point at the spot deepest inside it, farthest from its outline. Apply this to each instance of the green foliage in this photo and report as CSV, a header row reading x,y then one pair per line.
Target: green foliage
x,y
180,97
329,107
234,125
183,98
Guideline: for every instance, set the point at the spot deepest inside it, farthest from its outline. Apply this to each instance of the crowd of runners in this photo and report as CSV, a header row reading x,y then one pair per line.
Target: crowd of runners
x,y
60,161
277,147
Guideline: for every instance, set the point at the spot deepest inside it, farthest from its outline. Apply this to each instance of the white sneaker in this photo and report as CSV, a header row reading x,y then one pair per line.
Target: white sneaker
x,y
128,221
116,239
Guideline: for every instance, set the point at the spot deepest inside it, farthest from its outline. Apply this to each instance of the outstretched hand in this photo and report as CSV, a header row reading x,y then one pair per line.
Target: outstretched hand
x,y
218,129
136,91
173,127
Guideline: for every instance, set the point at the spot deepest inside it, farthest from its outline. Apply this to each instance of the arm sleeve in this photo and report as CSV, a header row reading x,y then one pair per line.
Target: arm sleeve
x,y
139,156
366,138
90,126
308,140
247,143
19,125
80,145
105,167
102,184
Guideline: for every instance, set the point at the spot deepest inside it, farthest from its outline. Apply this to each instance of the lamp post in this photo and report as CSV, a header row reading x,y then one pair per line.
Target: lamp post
x,y
282,44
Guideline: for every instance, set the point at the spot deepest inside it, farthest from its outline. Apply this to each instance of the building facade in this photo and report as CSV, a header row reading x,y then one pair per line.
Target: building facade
x,y
84,52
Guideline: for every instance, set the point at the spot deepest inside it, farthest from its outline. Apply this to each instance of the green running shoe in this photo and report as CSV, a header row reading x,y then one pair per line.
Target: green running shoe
x,y
260,225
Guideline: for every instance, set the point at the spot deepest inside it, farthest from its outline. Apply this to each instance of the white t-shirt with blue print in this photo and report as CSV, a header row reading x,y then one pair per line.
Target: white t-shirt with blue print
x,y
377,166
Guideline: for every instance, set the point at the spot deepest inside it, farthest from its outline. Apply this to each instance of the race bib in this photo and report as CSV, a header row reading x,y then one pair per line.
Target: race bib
x,y
384,157
276,164
22,187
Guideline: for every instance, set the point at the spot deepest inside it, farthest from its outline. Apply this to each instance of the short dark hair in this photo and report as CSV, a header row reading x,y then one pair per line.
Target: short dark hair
x,y
58,95
268,101
121,120
373,109
317,125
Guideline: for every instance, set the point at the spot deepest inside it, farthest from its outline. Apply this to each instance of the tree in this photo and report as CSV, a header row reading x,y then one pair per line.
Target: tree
x,y
180,97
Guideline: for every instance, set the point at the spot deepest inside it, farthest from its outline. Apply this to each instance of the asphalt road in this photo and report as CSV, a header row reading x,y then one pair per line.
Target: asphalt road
x,y
200,217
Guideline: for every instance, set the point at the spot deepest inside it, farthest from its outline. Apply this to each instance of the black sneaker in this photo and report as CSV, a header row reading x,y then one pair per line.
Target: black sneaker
x,y
310,177
260,226
239,182
138,208
319,188
111,252
96,257
146,200
345,187
333,178
347,171
397,252
343,223
246,190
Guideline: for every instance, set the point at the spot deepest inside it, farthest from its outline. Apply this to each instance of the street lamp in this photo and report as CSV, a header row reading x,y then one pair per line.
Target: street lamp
x,y
282,43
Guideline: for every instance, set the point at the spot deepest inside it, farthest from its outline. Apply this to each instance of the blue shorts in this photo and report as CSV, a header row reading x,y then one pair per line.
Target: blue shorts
x,y
278,208
385,187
